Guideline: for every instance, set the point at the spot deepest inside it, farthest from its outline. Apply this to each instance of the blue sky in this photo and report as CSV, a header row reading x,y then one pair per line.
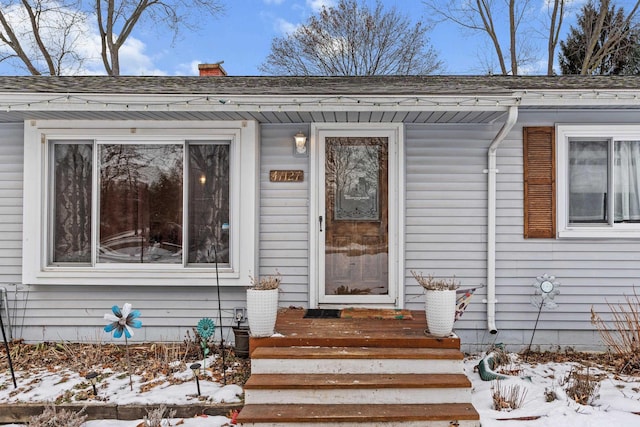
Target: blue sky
x,y
242,35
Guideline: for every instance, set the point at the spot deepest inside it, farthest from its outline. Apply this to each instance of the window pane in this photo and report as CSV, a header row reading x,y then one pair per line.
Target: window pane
x,y
72,202
141,203
588,181
208,203
627,181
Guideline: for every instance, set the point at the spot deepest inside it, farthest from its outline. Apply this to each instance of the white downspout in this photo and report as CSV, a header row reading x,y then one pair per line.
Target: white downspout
x,y
492,170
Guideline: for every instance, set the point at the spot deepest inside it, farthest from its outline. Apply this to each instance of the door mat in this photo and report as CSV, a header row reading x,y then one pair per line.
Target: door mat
x,y
376,313
321,313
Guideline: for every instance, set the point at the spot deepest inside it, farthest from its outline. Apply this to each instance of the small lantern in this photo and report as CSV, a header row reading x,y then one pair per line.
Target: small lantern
x,y
300,147
195,367
92,377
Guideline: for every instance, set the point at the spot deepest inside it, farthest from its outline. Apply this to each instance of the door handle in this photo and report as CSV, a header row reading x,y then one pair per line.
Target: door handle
x,y
320,220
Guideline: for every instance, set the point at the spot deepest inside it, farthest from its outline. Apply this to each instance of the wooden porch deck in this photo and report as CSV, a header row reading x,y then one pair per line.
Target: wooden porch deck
x,y
295,330
360,372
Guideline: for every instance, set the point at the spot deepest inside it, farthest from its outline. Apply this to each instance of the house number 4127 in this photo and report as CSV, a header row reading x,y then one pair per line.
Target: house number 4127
x,y
286,176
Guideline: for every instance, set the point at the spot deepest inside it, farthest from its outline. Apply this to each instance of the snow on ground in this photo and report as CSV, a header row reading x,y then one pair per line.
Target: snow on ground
x,y
67,386
619,396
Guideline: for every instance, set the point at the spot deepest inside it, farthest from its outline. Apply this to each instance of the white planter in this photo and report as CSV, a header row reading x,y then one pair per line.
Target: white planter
x,y
262,310
441,312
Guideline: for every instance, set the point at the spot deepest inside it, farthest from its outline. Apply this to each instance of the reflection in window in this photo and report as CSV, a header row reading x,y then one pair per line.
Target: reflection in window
x,y
140,203
590,172
627,181
208,203
72,202
588,181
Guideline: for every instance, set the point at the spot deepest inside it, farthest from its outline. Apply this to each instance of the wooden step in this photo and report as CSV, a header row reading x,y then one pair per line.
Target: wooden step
x,y
299,352
295,330
357,388
353,360
452,342
420,415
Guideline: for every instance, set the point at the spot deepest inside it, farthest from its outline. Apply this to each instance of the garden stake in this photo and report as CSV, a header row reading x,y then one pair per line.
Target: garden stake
x,y
526,354
224,368
6,346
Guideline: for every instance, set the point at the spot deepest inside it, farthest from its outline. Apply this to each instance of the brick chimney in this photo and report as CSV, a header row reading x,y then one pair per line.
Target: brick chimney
x,y
212,69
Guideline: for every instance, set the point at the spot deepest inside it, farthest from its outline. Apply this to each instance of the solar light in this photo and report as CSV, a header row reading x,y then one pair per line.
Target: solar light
x,y
92,377
195,367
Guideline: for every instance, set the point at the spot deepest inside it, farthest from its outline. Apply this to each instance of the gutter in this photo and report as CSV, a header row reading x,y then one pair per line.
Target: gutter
x,y
492,170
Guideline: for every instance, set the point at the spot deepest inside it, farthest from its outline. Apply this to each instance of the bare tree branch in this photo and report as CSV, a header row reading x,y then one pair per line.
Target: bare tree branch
x,y
481,16
44,35
351,39
557,17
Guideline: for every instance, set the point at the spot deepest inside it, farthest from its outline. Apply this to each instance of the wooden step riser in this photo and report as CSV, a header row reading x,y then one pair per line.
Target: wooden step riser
x,y
359,396
356,353
451,423
355,366
354,341
324,415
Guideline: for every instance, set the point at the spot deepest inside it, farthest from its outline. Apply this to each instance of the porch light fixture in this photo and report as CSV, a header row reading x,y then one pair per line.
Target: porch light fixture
x,y
92,377
300,147
195,367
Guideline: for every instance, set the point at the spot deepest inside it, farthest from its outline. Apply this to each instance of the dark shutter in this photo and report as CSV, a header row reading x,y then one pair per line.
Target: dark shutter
x,y
539,182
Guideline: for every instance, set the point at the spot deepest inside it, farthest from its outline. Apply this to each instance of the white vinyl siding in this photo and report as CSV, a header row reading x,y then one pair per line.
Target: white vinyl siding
x,y
445,232
592,272
446,205
446,235
11,177
284,214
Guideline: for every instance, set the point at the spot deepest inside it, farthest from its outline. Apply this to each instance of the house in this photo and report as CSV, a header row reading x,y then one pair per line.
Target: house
x,y
140,189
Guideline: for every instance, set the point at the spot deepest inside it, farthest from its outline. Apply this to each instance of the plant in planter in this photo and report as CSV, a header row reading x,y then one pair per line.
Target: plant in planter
x,y
262,305
440,296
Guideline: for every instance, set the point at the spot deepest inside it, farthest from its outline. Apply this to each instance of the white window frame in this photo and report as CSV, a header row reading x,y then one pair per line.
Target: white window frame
x,y
243,202
612,132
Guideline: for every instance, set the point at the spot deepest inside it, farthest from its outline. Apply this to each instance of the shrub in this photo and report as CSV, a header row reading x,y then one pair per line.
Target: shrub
x,y
155,417
507,397
622,334
581,386
62,418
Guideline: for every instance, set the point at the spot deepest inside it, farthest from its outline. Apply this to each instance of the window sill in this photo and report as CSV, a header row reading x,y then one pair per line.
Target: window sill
x,y
131,277
599,233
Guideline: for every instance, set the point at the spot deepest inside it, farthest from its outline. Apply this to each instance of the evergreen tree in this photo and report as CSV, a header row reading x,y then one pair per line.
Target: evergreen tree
x,y
616,49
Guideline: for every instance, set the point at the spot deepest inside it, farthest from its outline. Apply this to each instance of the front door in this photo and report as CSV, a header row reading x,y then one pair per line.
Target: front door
x,y
354,230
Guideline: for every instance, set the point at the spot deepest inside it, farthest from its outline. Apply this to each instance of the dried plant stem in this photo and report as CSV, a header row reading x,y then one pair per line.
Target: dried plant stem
x,y
581,386
622,333
508,397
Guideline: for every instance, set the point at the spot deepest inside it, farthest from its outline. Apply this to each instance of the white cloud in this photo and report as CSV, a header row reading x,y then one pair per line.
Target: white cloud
x,y
134,61
317,5
285,27
83,41
188,68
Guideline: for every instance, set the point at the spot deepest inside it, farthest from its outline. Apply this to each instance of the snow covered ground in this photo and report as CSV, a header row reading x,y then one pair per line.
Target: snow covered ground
x,y
617,404
619,398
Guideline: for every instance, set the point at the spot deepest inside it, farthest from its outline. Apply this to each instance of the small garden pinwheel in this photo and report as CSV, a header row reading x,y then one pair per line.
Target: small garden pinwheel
x,y
121,322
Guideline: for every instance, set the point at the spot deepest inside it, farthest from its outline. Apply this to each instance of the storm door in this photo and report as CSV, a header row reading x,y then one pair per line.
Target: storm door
x,y
354,234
